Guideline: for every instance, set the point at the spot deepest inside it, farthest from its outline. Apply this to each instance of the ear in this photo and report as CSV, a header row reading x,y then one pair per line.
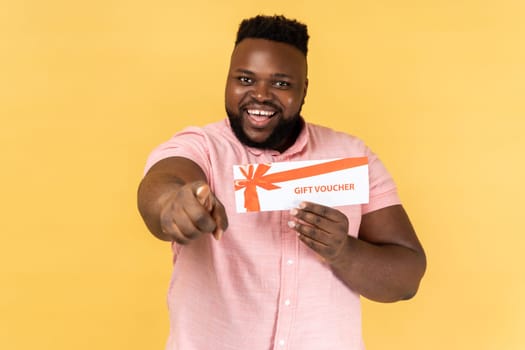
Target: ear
x,y
305,88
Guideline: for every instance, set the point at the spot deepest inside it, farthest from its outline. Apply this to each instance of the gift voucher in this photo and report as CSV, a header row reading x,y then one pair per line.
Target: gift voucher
x,y
283,185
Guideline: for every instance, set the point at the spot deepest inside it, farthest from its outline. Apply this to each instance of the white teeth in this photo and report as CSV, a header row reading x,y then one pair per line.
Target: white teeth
x,y
260,112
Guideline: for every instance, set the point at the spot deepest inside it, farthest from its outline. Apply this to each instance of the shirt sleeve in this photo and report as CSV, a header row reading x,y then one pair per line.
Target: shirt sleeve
x,y
190,143
383,190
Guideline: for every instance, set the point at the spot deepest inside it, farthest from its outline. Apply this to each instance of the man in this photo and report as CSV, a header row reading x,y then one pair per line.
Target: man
x,y
272,279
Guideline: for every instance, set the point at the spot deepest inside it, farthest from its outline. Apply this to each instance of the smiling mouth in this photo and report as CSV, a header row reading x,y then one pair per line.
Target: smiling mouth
x,y
260,117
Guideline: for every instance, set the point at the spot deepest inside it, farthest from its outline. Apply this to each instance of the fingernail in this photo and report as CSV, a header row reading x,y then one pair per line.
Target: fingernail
x,y
217,235
291,224
293,211
302,205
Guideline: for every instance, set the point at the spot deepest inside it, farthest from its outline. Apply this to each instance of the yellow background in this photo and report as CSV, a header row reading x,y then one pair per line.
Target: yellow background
x,y
88,88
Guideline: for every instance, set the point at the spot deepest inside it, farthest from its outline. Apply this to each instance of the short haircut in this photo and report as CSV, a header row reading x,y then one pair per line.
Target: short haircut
x,y
275,28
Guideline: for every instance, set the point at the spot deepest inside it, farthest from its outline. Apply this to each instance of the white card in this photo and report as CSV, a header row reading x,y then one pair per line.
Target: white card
x,y
283,185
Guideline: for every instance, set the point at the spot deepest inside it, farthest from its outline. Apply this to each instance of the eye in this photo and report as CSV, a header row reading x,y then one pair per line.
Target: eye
x,y
245,80
281,84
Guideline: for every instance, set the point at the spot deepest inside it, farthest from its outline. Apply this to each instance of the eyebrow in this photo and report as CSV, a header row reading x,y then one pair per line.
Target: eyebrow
x,y
244,71
276,75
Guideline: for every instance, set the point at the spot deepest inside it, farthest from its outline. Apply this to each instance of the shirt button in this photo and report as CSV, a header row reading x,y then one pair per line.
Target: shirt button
x,y
290,262
281,342
287,302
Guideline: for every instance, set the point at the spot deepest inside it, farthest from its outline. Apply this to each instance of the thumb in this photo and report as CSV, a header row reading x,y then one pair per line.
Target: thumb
x,y
203,194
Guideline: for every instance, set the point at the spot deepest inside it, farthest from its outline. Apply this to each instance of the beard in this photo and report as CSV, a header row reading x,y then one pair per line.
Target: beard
x,y
282,136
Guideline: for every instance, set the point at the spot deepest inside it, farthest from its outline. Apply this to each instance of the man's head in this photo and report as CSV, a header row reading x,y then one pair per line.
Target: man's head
x,y
267,81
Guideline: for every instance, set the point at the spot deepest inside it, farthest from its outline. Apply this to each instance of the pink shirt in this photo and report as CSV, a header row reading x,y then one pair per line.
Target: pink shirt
x,y
259,287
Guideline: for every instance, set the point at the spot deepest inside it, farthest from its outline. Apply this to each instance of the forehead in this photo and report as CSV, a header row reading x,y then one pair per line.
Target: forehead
x,y
262,56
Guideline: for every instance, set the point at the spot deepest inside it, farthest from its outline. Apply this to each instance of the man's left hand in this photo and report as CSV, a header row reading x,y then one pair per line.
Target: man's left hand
x,y
323,229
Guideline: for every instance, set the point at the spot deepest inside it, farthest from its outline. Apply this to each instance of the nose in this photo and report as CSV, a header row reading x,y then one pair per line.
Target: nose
x,y
261,92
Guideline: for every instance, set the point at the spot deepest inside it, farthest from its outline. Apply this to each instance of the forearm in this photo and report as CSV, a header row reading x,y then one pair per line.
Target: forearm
x,y
384,273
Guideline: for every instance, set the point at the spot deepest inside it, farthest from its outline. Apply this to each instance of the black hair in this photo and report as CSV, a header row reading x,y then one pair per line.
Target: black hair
x,y
275,28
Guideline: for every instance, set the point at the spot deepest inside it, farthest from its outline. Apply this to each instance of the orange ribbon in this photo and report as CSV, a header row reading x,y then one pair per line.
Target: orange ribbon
x,y
255,177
